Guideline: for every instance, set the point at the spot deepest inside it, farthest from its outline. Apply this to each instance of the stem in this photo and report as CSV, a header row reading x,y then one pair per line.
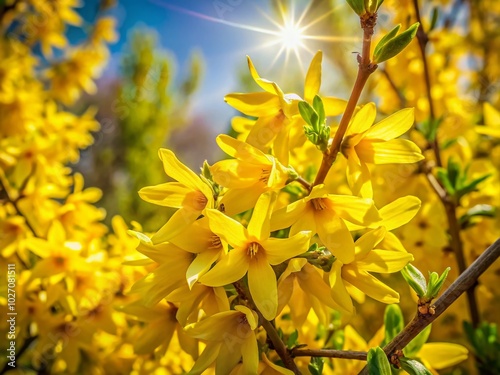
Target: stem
x,y
304,183
423,39
16,207
330,353
463,283
402,99
365,69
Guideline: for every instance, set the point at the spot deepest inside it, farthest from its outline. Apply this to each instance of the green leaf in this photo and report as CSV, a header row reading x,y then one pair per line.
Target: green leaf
x,y
416,344
393,322
396,44
357,5
434,18
415,279
292,339
378,362
371,6
413,367
308,114
435,283
442,176
472,186
454,172
379,3
315,367
479,210
320,110
391,34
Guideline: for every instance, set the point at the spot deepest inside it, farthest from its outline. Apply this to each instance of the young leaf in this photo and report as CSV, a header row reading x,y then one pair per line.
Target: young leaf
x,y
434,18
391,34
393,322
308,114
396,44
320,110
415,279
481,210
378,362
292,339
436,283
357,5
315,367
416,344
413,367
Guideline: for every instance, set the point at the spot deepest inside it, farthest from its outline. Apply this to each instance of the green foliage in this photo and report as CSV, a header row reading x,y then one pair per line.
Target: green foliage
x,y
393,322
412,349
414,367
454,180
316,129
486,346
357,5
390,47
427,291
378,362
479,210
315,367
429,127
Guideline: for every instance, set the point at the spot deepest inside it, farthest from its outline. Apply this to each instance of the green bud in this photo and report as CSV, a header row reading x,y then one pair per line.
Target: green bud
x,y
358,6
415,279
378,362
395,45
436,283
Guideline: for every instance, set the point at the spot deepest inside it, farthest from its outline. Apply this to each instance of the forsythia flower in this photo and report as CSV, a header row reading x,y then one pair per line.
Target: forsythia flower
x,y
253,253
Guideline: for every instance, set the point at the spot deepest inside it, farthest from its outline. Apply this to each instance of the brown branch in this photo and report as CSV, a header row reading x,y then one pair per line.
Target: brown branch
x,y
14,202
463,283
423,39
365,69
303,182
401,97
330,353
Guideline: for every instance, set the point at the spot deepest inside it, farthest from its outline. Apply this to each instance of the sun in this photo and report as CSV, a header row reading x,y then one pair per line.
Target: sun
x,y
291,36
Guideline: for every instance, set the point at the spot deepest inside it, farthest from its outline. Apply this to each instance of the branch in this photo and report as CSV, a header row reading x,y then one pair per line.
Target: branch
x,y
14,202
365,69
330,353
463,283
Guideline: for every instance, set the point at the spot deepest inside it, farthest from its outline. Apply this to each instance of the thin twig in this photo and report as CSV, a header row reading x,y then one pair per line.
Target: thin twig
x,y
463,283
401,97
14,202
365,69
330,353
304,183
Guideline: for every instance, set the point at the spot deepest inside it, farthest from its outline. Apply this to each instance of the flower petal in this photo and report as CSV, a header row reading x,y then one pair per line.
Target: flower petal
x,y
178,222
335,236
383,261
279,250
200,265
170,194
313,78
334,106
263,83
363,119
206,358
370,285
258,226
263,286
227,229
441,355
241,150
339,291
399,212
357,210
255,104
393,151
368,241
230,268
392,126
236,201
250,354
287,216
359,178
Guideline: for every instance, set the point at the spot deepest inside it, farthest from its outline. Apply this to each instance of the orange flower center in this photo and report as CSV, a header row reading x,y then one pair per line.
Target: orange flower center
x,y
253,249
264,176
319,204
215,242
199,201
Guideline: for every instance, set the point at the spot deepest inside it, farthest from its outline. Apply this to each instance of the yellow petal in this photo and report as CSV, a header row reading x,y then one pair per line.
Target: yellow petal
x,y
491,115
236,174
392,126
263,286
384,261
368,241
353,340
213,327
250,354
313,78
196,238
200,265
335,236
393,151
313,284
170,194
306,222
258,226
279,250
363,119
359,178
178,171
263,83
227,229
399,212
286,216
251,316
357,210
178,222
206,358
239,200
241,150
441,355
279,369
265,129
339,291
255,104
334,106
230,268
370,285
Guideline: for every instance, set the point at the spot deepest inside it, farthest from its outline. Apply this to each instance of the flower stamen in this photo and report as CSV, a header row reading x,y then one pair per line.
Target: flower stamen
x,y
319,204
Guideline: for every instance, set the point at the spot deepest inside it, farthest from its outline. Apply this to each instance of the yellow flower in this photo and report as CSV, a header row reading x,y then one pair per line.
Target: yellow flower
x,y
247,176
324,214
230,337
253,253
491,121
190,194
365,144
357,272
440,355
